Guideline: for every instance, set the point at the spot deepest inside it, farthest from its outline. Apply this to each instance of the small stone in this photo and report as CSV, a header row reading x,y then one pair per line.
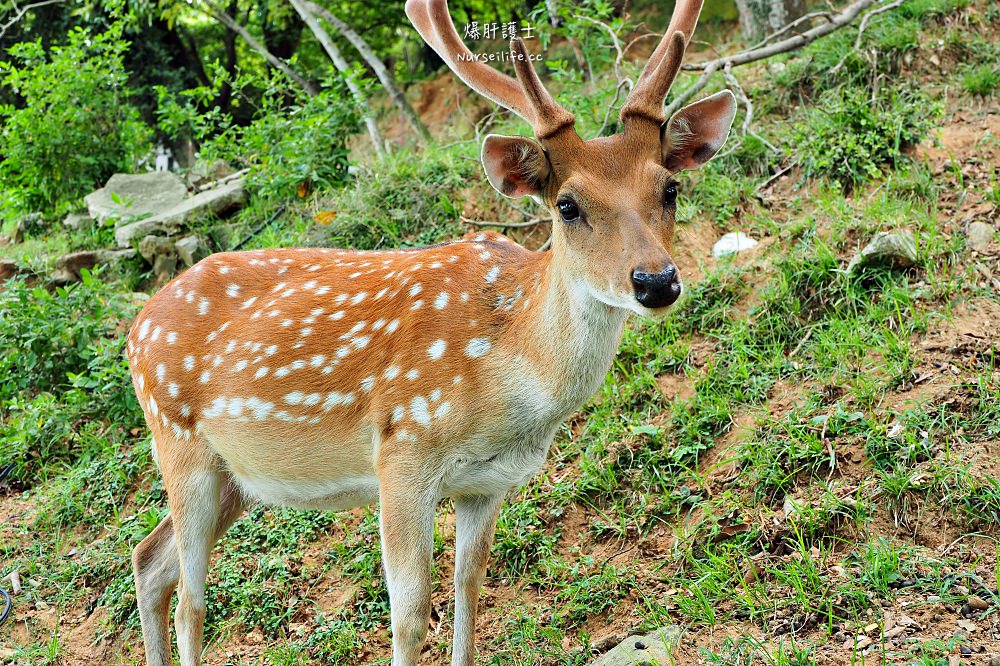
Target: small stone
x,y
965,649
191,250
164,265
933,599
977,603
863,642
77,222
841,637
980,236
734,241
654,647
151,247
896,250
41,605
995,660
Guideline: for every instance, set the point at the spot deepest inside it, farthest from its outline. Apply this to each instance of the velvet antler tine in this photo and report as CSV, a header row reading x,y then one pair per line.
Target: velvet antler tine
x,y
433,21
646,99
551,117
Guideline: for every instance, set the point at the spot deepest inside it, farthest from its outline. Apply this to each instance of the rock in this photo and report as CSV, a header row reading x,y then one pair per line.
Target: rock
x,y
995,660
216,201
734,241
896,250
137,194
32,223
77,222
653,648
69,266
9,269
151,247
191,250
980,236
164,265
204,173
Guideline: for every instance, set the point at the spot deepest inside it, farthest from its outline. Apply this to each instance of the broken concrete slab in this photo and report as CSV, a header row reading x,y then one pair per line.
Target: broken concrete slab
x,y
216,201
652,649
136,194
151,247
78,222
69,266
191,250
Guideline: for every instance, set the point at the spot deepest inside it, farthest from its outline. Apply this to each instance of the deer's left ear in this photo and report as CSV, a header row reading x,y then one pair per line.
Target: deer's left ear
x,y
696,133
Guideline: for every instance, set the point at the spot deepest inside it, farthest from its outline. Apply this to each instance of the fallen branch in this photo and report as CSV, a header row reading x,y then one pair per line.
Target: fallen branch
x,y
503,225
792,43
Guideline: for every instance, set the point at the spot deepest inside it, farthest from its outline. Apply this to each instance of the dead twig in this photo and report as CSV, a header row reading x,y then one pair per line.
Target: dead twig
x,y
791,26
792,43
763,186
503,225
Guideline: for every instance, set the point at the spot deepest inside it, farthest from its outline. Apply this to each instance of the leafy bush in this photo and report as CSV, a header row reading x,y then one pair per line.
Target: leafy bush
x,y
849,137
290,147
67,341
46,335
982,80
411,198
75,126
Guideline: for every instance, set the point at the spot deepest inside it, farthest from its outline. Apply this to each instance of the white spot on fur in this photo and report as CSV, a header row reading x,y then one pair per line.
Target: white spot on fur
x,y
436,350
477,347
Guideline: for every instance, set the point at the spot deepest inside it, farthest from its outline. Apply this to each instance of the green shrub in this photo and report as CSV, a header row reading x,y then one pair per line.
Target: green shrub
x,y
294,144
64,383
75,125
849,136
982,80
412,198
46,335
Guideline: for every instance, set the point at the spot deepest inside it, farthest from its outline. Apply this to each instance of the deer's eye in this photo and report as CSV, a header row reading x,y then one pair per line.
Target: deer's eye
x,y
670,194
568,211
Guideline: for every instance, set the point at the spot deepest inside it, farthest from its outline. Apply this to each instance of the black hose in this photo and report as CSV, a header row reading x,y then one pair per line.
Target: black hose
x,y
7,606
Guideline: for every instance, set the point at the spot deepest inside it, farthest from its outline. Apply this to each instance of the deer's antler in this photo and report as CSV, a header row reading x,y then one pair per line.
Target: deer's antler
x,y
526,96
646,98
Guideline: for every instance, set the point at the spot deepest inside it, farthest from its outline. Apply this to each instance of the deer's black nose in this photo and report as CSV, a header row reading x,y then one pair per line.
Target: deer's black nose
x,y
657,290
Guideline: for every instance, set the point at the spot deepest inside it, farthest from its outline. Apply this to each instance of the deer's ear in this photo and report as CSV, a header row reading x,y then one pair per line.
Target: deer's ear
x,y
516,166
696,133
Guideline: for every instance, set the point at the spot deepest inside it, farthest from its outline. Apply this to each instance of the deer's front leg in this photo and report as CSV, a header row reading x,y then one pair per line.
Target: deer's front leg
x,y
476,524
406,523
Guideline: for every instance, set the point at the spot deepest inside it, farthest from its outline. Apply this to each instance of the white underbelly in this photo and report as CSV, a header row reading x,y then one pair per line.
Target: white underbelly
x,y
333,495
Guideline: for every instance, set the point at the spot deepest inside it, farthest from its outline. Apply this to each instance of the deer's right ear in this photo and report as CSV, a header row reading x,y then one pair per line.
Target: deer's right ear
x,y
516,166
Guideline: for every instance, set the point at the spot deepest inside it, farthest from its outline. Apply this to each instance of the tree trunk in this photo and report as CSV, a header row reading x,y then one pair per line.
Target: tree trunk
x,y
760,18
338,61
358,42
217,13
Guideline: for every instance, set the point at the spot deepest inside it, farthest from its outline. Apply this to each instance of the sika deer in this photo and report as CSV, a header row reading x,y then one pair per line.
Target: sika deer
x,y
331,378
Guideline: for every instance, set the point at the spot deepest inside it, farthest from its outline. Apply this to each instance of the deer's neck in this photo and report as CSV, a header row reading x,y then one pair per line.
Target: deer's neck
x,y
567,337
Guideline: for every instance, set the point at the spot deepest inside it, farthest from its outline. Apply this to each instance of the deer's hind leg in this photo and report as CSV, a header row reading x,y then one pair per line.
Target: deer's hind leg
x,y
204,503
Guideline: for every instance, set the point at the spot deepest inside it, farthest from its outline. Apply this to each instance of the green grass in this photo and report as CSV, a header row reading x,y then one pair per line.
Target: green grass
x,y
771,496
